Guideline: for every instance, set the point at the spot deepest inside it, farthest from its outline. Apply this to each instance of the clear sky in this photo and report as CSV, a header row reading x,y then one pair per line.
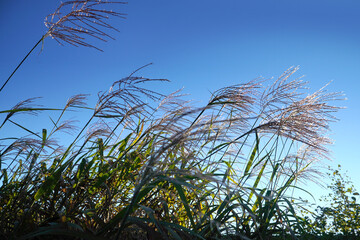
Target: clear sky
x,y
201,45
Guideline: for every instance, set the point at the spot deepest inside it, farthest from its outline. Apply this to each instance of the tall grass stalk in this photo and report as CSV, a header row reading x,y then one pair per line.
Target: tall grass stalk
x,y
72,22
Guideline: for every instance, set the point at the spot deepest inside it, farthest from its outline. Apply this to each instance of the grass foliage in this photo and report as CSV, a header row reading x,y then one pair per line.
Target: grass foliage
x,y
152,166
138,170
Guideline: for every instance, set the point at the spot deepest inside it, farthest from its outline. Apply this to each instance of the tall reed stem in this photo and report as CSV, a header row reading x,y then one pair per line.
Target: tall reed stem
x,y
21,63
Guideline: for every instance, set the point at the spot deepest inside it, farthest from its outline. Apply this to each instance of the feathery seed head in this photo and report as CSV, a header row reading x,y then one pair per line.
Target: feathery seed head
x,y
74,20
76,101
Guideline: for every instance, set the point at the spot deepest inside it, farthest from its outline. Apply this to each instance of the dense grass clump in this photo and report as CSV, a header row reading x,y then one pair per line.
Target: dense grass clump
x,y
149,166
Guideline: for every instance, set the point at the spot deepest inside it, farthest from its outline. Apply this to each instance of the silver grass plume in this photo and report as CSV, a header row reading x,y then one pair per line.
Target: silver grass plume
x,y
73,21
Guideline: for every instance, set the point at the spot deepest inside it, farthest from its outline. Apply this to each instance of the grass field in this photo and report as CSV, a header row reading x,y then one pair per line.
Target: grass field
x,y
150,165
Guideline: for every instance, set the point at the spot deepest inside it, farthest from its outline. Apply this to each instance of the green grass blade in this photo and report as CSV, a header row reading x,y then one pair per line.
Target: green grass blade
x,y
50,182
253,154
185,202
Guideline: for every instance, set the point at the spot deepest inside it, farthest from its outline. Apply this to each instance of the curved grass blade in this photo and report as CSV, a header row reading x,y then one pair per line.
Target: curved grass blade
x,y
253,154
185,202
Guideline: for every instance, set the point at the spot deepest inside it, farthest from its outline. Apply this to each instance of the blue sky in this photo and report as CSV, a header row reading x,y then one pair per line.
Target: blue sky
x,y
201,45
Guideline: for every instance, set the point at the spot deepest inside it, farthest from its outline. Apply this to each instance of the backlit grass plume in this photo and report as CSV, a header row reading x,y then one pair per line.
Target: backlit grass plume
x,y
74,22
85,18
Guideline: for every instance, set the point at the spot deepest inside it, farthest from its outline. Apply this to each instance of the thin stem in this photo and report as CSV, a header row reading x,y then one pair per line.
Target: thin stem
x,y
42,38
